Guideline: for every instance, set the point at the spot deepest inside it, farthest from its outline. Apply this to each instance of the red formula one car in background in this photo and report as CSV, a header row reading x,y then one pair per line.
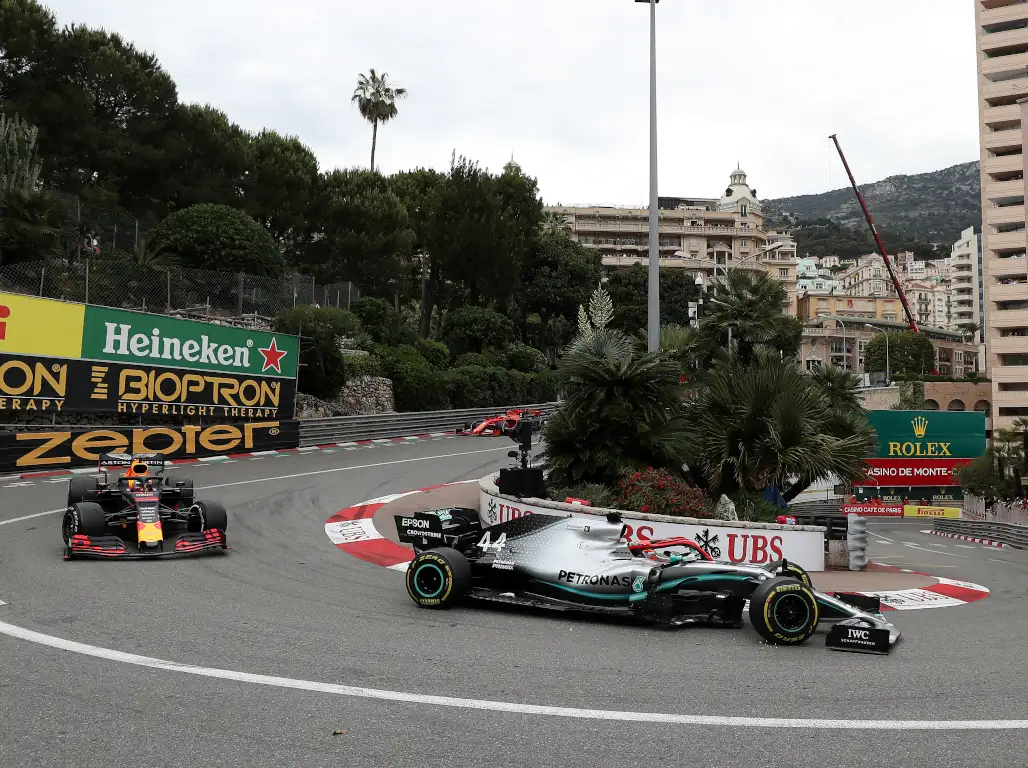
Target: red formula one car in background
x,y
501,424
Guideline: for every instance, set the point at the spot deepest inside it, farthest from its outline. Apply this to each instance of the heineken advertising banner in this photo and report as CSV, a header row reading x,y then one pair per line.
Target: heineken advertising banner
x,y
75,447
81,358
59,385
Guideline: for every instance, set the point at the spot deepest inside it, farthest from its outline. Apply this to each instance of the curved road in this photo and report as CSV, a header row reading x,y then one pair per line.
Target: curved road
x,y
284,601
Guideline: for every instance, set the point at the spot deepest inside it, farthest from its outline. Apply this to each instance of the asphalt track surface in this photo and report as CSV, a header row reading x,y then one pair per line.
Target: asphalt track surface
x,y
284,601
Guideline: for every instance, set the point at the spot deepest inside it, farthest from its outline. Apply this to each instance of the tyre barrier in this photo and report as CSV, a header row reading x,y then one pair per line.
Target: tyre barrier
x,y
1008,534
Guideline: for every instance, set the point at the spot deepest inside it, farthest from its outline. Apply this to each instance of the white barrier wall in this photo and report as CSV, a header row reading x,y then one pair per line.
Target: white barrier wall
x,y
734,542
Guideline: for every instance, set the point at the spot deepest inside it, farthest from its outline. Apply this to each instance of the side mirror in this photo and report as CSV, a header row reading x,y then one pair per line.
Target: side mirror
x,y
180,483
512,454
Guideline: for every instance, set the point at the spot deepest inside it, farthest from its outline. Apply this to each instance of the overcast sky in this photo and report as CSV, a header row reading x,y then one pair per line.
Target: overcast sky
x,y
563,84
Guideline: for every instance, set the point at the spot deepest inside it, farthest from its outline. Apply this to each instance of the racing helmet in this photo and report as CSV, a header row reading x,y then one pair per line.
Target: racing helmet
x,y
137,468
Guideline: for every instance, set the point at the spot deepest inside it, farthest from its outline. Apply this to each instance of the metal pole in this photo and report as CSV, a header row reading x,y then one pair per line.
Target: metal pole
x,y
87,281
653,309
888,368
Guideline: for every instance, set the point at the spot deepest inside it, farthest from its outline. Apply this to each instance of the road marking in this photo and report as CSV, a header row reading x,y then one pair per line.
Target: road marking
x,y
336,689
934,551
966,546
290,477
30,517
994,560
880,537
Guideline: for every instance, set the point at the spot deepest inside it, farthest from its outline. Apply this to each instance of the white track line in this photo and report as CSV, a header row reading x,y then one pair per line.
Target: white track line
x,y
504,706
290,477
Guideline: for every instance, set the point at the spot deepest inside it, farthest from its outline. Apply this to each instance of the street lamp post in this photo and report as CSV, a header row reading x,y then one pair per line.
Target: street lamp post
x,y
845,351
888,368
653,303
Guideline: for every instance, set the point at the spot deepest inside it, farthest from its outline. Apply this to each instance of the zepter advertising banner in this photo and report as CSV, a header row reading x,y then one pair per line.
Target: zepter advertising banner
x,y
60,448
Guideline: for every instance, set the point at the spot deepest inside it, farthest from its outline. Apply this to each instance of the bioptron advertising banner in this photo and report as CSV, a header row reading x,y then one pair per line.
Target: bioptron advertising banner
x,y
916,454
62,357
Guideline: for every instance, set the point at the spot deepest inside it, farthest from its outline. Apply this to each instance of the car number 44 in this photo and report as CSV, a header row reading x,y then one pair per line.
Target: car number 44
x,y
487,544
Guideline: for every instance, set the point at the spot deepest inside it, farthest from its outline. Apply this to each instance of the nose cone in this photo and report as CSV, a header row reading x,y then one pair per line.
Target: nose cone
x,y
149,533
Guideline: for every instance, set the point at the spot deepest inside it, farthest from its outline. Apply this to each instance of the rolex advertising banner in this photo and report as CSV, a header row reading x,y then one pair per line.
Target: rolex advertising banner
x,y
59,356
928,434
922,448
60,448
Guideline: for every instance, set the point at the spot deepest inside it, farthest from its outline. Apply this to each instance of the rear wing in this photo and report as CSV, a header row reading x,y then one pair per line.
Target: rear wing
x,y
122,460
437,528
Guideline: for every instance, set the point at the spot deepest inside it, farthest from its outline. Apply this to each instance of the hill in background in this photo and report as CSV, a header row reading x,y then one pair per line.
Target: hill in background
x,y
927,208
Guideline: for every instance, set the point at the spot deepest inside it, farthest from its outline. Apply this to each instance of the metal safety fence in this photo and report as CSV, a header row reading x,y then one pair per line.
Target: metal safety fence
x,y
1005,533
341,429
195,293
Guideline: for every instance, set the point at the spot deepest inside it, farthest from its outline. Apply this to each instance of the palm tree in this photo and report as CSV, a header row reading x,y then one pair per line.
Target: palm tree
x,y
760,424
30,225
748,310
622,409
376,101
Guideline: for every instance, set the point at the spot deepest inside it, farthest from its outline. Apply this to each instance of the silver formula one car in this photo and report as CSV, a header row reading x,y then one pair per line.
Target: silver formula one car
x,y
586,564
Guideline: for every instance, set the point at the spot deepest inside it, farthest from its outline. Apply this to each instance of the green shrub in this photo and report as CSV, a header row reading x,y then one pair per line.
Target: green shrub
x,y
322,367
435,352
472,358
356,366
469,387
472,329
521,357
416,386
543,387
376,316
661,492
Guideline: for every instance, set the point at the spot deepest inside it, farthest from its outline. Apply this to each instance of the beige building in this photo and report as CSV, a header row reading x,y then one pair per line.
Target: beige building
x,y
841,341
1001,28
966,285
705,236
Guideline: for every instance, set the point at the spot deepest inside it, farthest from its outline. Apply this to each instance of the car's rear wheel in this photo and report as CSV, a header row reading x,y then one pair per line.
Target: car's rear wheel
x,y
83,489
438,578
186,493
205,515
85,518
784,611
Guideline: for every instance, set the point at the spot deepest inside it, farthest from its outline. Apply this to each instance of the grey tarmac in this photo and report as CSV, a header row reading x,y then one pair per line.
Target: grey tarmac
x,y
284,601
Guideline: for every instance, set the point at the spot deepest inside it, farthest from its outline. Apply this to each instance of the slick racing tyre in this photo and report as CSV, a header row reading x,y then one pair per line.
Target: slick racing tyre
x,y
796,572
784,611
205,515
438,578
85,518
83,489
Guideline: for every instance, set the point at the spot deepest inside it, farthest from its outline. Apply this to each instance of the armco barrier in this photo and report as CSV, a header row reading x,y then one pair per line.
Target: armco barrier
x,y
1005,533
736,541
340,429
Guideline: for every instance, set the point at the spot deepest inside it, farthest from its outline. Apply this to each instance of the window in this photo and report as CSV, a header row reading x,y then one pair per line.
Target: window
x,y
744,243
783,273
744,209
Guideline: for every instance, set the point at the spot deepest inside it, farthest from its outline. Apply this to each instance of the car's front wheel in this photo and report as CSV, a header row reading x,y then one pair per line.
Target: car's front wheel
x,y
796,572
85,518
205,515
784,611
438,578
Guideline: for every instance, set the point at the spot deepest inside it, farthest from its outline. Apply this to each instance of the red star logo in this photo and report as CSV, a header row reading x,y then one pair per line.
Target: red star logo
x,y
272,356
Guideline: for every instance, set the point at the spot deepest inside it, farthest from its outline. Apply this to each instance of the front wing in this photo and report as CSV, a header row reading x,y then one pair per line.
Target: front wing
x,y
82,546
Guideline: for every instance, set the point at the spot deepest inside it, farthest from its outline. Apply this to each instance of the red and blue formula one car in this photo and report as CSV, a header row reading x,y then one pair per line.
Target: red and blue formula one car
x,y
501,424
141,514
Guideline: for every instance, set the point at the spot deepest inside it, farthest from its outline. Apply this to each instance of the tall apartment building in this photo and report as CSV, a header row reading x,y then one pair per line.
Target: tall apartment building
x,y
1001,30
705,236
967,288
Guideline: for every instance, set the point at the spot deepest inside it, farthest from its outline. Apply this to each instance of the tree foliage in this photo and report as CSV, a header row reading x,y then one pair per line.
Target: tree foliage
x,y
908,353
206,236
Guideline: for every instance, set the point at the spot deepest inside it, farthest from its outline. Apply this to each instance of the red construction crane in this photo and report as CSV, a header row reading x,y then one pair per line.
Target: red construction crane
x,y
881,246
